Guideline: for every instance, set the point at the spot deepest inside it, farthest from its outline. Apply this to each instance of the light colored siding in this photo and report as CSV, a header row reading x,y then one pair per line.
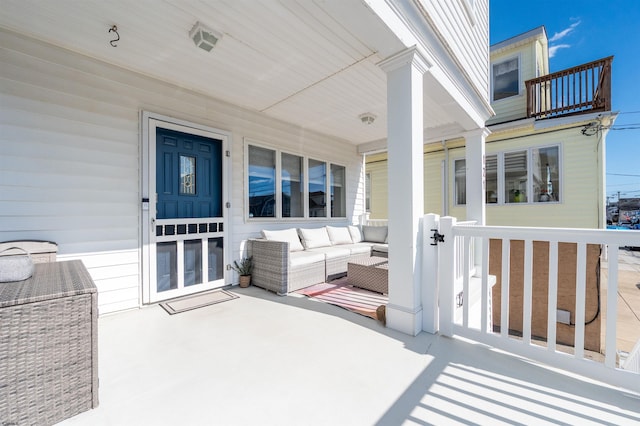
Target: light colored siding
x,y
580,189
515,107
433,168
70,158
466,34
379,187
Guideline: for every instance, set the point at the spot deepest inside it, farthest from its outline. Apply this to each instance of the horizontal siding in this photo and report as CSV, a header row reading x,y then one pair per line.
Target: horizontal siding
x,y
515,107
433,182
466,36
379,189
70,163
581,191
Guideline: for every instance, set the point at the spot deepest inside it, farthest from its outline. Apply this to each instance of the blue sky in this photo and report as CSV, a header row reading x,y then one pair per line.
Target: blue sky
x,y
580,32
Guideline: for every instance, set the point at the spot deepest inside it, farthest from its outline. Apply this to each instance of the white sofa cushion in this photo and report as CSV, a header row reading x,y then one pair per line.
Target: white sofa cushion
x,y
375,234
302,258
332,252
339,235
287,235
358,248
314,237
356,235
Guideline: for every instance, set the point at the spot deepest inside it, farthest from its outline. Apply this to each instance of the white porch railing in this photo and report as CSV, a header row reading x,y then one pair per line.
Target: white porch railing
x,y
457,243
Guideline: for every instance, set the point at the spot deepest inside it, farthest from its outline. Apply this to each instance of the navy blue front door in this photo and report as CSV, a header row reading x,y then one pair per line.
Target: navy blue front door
x,y
188,175
188,242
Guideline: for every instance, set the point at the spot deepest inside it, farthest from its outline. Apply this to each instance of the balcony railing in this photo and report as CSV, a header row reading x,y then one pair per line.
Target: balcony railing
x,y
577,90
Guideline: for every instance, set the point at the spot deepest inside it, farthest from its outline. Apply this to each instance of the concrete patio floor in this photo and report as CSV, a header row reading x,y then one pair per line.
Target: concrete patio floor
x,y
270,360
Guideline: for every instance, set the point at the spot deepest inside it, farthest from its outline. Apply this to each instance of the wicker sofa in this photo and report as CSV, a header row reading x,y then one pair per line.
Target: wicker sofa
x,y
291,259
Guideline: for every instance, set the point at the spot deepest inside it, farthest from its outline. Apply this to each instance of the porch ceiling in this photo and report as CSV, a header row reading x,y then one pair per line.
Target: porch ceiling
x,y
310,63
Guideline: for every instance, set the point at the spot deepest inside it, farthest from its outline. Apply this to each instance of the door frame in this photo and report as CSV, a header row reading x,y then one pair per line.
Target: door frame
x,y
149,122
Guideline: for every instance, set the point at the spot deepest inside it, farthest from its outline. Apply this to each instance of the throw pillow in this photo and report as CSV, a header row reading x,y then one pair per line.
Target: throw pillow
x,y
339,235
356,235
286,235
314,238
374,234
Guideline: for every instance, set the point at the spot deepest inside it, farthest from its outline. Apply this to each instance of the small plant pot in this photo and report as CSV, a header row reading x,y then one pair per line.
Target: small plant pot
x,y
245,280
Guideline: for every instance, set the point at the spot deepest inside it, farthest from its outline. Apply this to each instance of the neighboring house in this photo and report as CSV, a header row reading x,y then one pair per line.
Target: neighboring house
x,y
545,156
544,166
151,139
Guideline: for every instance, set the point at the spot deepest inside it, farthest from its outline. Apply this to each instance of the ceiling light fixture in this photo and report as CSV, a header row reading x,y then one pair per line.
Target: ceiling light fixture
x,y
367,118
205,38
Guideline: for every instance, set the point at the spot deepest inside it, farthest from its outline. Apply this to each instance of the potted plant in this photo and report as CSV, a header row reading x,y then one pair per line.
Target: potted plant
x,y
244,268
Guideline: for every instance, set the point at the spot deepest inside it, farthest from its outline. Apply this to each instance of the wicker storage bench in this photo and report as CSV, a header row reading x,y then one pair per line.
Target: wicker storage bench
x,y
48,345
371,273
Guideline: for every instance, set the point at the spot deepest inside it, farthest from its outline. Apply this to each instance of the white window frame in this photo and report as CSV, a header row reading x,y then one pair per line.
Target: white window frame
x,y
507,59
501,178
305,184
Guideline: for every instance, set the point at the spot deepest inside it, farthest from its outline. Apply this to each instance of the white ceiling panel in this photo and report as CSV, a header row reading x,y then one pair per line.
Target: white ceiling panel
x,y
310,63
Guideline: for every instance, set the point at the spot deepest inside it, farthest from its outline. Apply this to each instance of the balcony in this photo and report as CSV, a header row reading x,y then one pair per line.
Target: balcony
x,y
578,90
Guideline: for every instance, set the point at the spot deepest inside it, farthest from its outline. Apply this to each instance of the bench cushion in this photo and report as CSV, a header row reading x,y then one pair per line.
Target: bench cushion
x,y
301,258
339,235
375,234
314,237
286,235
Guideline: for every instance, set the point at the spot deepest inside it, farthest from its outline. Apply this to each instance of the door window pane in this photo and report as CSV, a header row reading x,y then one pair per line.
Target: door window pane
x,y
546,184
262,182
292,186
505,79
338,197
515,177
317,188
166,266
460,182
216,259
187,175
192,262
491,177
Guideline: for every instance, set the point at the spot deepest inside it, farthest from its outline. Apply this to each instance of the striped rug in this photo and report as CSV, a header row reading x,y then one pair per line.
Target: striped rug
x,y
340,293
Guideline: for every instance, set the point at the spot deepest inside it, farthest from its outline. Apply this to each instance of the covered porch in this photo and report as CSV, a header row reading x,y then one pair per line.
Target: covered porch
x,y
265,359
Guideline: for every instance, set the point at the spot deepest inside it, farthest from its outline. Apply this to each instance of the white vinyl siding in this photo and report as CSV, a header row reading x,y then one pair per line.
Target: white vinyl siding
x,y
463,24
70,163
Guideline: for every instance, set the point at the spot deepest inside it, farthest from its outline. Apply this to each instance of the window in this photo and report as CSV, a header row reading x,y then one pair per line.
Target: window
x,y
280,186
460,182
515,177
317,188
367,192
506,82
546,184
338,198
262,182
292,186
526,176
491,178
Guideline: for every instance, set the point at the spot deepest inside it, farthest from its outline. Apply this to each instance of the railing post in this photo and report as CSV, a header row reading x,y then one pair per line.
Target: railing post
x,y
446,275
429,274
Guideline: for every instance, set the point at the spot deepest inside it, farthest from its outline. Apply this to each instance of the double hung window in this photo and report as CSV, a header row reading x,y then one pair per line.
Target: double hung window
x,y
506,79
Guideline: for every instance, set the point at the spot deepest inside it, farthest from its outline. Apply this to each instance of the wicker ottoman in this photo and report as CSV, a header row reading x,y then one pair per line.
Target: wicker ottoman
x,y
369,273
48,345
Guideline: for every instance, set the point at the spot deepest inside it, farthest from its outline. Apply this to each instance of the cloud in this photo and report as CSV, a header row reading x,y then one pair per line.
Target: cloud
x,y
562,34
554,49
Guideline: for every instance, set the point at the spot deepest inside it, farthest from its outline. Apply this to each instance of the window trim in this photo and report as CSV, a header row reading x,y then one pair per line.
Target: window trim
x,y
501,179
248,142
507,59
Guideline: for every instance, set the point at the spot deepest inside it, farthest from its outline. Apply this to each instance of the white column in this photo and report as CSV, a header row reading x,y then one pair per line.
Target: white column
x,y
406,188
475,174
